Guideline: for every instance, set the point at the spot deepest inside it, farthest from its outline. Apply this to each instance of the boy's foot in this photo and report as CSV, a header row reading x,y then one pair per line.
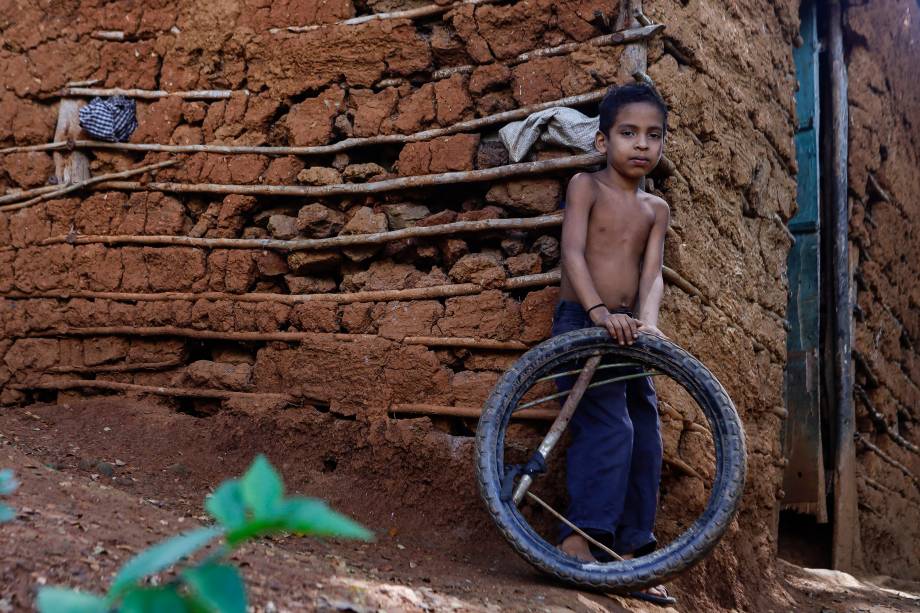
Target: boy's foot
x,y
577,546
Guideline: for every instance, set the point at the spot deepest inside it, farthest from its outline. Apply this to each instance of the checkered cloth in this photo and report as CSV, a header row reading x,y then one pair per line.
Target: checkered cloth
x,y
110,119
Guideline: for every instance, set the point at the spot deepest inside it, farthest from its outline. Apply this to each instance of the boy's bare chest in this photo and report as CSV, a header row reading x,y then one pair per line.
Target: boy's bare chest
x,y
616,225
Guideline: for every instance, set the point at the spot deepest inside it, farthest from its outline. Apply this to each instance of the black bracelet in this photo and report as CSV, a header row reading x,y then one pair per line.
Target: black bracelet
x,y
599,304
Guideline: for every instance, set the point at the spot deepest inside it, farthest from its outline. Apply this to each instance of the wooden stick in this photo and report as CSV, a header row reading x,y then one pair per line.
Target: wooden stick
x,y
43,147
112,35
431,341
128,367
672,277
417,293
560,423
887,459
470,125
87,183
388,185
888,490
683,467
348,240
533,414
623,37
415,13
28,193
473,412
73,166
687,423
552,277
69,384
529,414
148,94
83,83
459,341
201,334
879,420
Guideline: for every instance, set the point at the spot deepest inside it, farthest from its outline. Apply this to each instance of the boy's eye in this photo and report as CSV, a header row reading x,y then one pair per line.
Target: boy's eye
x,y
654,135
627,132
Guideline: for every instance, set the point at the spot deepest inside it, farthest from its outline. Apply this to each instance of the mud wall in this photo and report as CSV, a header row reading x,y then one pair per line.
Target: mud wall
x,y
883,48
725,71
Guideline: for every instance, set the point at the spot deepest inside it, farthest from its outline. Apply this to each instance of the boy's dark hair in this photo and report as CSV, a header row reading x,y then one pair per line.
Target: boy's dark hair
x,y
618,97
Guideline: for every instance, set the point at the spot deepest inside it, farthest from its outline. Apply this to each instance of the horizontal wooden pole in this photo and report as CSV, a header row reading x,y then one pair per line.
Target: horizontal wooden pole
x,y
431,341
623,37
126,367
470,125
349,240
62,191
24,194
473,412
418,293
427,10
478,343
149,94
376,187
530,414
69,384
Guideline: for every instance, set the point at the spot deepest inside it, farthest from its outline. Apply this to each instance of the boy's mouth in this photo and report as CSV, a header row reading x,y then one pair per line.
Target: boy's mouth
x,y
639,161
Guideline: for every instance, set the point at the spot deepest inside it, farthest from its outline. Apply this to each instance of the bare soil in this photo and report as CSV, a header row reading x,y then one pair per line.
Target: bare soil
x,y
103,479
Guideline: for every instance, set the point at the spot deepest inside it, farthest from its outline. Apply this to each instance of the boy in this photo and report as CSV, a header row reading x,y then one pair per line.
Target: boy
x,y
612,253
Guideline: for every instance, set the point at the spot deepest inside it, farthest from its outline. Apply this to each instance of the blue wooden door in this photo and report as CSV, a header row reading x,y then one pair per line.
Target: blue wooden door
x,y
804,480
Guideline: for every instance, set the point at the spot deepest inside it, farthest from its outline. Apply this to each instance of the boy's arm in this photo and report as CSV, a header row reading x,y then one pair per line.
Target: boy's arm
x,y
579,199
651,283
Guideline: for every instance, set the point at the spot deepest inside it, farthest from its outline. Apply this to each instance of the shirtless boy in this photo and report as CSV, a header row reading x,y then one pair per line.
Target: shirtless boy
x,y
612,253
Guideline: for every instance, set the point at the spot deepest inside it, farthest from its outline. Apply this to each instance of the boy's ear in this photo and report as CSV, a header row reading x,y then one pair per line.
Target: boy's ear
x,y
600,142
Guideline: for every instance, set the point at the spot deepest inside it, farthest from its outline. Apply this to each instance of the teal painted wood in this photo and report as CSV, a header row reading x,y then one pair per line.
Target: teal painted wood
x,y
807,113
804,478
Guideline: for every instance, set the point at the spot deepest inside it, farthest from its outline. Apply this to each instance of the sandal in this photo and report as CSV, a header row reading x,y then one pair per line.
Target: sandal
x,y
663,601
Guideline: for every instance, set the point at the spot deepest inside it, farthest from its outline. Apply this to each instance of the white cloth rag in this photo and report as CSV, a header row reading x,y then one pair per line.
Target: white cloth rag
x,y
556,126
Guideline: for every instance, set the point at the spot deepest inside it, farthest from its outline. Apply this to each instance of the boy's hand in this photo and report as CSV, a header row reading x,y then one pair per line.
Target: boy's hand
x,y
622,328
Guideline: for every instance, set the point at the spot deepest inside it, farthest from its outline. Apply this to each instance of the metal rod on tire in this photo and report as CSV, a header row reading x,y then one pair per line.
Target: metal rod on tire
x,y
575,528
559,426
638,375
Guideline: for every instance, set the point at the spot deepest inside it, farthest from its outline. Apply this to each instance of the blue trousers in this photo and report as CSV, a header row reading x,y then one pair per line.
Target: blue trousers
x,y
613,463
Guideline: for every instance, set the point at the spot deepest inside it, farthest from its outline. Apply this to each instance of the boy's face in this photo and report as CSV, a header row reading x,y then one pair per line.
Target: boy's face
x,y
636,140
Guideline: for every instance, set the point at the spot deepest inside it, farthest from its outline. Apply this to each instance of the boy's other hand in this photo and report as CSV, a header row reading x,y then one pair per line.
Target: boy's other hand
x,y
650,329
622,328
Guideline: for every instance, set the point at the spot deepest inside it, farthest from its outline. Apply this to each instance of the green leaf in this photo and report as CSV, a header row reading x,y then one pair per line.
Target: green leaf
x,y
262,488
161,556
154,600
6,514
226,504
311,516
63,600
253,529
8,483
218,587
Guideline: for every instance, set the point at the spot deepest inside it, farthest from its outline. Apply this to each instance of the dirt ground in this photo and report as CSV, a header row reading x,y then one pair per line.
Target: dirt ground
x,y
103,479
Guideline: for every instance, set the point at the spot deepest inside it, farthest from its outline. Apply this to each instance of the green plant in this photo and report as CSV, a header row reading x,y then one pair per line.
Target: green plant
x,y
8,485
243,509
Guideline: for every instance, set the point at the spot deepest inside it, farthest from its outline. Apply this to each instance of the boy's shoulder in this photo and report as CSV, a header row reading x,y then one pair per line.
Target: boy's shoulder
x,y
654,201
